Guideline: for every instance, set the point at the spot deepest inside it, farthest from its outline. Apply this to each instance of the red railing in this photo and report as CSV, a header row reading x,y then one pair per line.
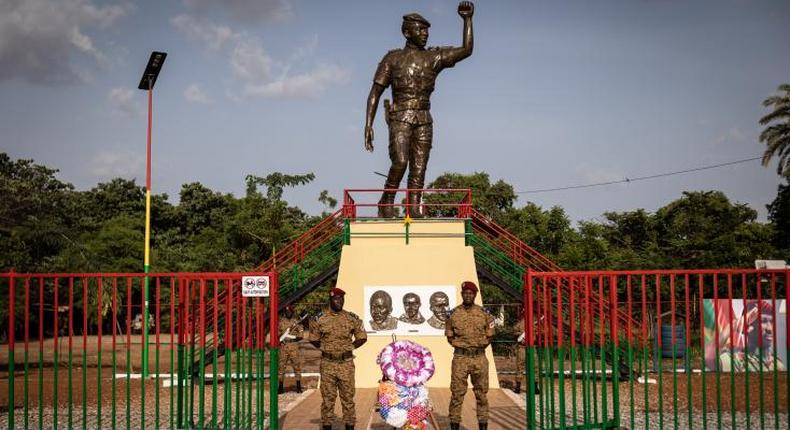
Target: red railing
x,y
710,341
435,202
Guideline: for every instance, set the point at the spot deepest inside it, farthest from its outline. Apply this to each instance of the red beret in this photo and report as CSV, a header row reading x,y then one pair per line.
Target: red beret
x,y
290,308
336,292
468,285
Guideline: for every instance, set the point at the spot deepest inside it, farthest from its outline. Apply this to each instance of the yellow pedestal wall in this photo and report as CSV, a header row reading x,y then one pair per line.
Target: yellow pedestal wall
x,y
378,255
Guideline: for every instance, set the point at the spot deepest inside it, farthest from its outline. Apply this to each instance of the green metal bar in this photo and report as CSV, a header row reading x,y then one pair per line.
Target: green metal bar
x,y
541,382
180,387
239,392
259,383
530,371
226,415
249,379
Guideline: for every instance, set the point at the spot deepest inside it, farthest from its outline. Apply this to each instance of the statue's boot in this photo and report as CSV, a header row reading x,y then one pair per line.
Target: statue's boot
x,y
482,426
349,426
298,386
518,388
329,427
455,426
415,200
387,210
281,388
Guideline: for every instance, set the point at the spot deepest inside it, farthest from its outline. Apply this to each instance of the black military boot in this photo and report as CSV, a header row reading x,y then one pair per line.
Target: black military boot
x,y
281,388
298,386
415,199
537,389
482,426
455,426
329,427
388,210
349,426
517,390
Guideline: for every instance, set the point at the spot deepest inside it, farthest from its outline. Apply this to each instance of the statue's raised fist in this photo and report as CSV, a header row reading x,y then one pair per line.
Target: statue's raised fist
x,y
466,9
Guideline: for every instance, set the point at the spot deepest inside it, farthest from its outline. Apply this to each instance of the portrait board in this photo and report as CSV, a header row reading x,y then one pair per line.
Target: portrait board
x,y
759,337
411,309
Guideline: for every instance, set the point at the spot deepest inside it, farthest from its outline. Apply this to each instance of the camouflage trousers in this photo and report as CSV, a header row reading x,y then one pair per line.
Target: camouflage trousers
x,y
337,377
290,355
463,368
520,366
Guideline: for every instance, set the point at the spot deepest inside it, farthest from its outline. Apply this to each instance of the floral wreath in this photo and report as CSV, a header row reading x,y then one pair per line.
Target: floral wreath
x,y
403,399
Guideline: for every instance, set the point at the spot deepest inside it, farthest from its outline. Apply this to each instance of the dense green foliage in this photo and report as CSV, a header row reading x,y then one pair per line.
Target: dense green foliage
x,y
46,225
776,135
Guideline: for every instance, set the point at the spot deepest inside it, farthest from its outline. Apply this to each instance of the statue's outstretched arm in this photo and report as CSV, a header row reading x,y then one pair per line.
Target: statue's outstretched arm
x,y
453,55
370,113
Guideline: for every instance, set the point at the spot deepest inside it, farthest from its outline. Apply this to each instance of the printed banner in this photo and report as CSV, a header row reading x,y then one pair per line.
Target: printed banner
x,y
740,337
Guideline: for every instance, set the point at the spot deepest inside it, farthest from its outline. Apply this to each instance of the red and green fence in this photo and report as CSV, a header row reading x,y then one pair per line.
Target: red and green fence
x,y
75,352
705,349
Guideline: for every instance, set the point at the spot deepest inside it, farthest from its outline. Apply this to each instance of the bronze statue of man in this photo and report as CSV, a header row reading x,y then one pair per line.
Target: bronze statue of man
x,y
412,73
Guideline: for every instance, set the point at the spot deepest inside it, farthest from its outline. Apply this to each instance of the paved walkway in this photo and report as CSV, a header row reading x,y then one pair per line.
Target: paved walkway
x,y
505,414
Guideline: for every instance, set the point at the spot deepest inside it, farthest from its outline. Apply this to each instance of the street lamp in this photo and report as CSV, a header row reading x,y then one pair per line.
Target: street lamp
x,y
147,82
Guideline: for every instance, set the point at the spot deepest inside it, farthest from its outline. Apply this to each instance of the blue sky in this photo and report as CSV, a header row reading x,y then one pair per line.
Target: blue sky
x,y
556,93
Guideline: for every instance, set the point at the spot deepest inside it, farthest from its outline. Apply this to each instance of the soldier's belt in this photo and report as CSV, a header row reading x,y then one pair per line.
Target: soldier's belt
x,y
340,356
469,352
415,104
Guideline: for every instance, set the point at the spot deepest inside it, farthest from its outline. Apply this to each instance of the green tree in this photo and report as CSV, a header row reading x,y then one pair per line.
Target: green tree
x,y
779,215
776,136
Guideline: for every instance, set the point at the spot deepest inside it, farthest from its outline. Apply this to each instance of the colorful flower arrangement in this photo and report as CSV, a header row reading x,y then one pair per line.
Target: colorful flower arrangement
x,y
403,399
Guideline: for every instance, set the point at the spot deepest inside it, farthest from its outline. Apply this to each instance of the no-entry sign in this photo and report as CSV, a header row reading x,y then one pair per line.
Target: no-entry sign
x,y
255,286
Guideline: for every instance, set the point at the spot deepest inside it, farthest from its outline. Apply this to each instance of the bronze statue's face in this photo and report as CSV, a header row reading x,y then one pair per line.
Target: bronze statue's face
x,y
439,306
468,297
336,303
417,34
411,304
380,307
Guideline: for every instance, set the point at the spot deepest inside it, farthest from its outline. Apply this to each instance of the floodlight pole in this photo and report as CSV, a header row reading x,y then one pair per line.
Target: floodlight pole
x,y
147,263
147,82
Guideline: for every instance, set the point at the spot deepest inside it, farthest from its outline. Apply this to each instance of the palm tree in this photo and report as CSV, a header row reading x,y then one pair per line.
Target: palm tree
x,y
777,135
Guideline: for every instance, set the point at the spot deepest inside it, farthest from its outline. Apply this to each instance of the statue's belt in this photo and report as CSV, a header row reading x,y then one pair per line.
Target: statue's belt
x,y
469,352
339,356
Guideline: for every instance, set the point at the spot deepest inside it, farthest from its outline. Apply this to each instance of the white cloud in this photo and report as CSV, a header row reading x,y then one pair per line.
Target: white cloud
x,y
107,164
733,135
255,69
308,84
213,36
122,99
248,11
39,39
195,94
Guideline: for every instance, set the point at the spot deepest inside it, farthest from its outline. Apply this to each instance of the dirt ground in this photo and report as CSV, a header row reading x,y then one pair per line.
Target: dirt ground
x,y
94,405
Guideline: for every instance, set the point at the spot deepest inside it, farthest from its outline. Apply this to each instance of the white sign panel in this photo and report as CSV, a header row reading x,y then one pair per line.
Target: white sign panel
x,y
407,310
255,286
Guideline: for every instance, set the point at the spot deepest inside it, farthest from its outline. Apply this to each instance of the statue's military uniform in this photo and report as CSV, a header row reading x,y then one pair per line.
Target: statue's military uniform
x,y
289,348
469,331
412,73
336,331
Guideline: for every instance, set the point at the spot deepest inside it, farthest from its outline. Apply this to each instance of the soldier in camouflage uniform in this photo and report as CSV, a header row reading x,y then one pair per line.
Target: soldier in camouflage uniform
x,y
337,333
469,330
289,347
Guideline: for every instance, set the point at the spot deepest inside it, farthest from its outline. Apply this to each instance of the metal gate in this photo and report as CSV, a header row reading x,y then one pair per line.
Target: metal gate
x,y
678,349
76,345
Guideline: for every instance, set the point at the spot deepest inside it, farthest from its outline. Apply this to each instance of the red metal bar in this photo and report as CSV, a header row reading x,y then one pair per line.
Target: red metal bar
x,y
27,315
128,319
228,315
588,302
672,310
114,312
658,311
274,304
99,307
644,315
716,319
745,325
573,316
630,310
688,317
56,334
613,307
559,316
157,308
202,314
529,319
730,311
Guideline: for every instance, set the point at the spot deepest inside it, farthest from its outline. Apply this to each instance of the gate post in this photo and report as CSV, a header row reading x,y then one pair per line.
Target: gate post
x,y
274,352
530,341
